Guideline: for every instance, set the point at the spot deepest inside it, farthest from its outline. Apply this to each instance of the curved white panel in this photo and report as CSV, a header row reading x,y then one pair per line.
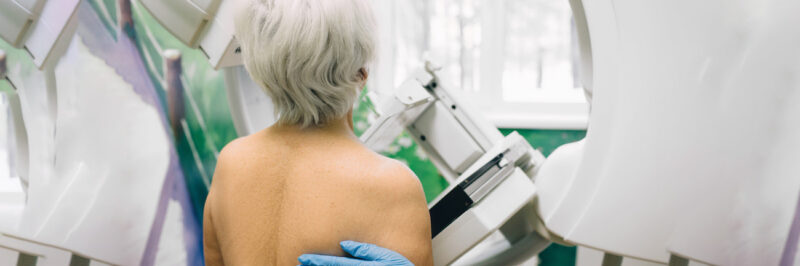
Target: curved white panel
x,y
251,108
183,18
51,34
693,111
556,176
600,16
748,221
14,22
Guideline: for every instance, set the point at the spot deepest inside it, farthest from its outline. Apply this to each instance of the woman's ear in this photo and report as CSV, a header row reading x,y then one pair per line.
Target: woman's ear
x,y
363,74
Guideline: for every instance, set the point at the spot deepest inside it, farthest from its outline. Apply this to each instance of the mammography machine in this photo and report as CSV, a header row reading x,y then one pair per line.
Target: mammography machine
x,y
490,174
687,155
693,113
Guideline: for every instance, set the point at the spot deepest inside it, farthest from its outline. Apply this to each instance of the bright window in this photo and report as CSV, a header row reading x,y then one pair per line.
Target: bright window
x,y
514,61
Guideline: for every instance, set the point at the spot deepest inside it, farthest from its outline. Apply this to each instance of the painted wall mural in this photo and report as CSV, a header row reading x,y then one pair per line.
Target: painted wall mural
x,y
89,192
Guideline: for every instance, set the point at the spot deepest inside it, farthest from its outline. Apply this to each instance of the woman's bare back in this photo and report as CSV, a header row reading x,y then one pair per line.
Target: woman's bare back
x,y
279,194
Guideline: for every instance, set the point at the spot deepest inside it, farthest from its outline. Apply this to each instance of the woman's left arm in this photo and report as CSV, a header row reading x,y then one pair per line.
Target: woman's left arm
x,y
211,249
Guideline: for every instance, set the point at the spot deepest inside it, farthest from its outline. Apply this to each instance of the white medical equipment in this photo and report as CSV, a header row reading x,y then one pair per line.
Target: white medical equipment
x,y
203,24
490,174
38,26
640,185
688,152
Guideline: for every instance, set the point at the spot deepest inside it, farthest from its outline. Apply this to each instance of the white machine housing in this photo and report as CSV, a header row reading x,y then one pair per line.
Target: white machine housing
x,y
16,17
490,175
203,24
42,28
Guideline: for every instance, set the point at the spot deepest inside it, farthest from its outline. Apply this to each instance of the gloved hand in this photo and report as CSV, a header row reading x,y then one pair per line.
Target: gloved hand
x,y
366,255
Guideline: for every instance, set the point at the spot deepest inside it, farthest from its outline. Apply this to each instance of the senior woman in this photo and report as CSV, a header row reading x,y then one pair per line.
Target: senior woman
x,y
306,183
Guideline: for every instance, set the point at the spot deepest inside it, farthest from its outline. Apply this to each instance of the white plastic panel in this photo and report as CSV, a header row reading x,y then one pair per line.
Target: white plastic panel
x,y
484,218
694,110
97,263
455,147
207,6
33,6
251,108
747,220
15,20
592,257
8,256
46,255
183,18
556,176
219,43
51,34
603,36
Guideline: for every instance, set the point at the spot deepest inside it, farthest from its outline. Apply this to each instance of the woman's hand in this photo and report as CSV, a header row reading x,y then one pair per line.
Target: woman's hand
x,y
365,255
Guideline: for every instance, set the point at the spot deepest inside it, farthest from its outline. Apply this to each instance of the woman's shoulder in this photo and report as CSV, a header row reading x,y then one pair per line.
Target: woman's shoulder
x,y
237,157
393,211
351,166
386,179
398,173
236,151
247,148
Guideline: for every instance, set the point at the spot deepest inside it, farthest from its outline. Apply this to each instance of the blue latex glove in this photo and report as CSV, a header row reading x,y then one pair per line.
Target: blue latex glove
x,y
366,255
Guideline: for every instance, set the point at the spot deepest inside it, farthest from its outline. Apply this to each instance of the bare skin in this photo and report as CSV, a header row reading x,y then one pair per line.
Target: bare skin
x,y
287,191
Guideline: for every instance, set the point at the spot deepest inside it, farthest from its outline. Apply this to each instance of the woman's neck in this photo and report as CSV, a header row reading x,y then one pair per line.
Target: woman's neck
x,y
340,127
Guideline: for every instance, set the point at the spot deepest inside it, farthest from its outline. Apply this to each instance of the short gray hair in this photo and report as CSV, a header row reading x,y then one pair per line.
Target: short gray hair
x,y
307,55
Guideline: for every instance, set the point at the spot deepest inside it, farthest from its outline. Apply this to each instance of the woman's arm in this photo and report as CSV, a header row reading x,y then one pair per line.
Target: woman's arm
x,y
404,216
211,250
